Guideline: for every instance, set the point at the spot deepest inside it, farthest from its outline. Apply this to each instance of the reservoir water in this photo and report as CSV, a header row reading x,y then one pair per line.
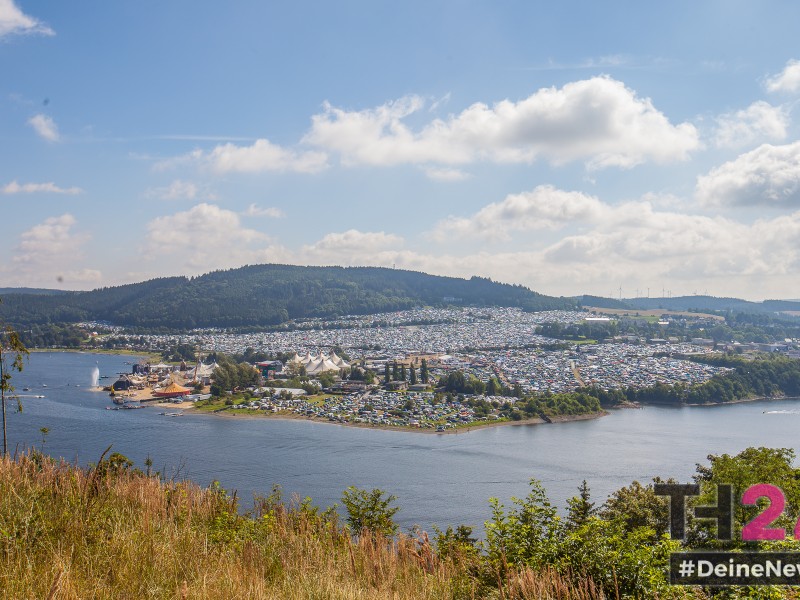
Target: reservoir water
x,y
438,479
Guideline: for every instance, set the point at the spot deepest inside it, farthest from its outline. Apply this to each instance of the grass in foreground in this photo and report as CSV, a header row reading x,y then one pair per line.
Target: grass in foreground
x,y
114,532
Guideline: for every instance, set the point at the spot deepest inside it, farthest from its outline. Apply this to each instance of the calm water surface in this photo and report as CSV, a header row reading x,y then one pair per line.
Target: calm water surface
x,y
441,479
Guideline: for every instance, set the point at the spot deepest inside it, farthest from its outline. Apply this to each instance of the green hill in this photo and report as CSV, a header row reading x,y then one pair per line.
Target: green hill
x,y
711,303
266,295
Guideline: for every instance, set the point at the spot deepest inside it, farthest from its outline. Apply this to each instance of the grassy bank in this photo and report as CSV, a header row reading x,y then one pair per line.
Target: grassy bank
x,y
114,532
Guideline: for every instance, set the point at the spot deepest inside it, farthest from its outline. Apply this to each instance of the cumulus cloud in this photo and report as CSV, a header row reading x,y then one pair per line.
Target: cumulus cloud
x,y
598,120
272,212
207,237
36,188
14,21
543,208
50,239
787,80
261,156
768,175
758,122
633,244
353,243
179,190
48,255
45,127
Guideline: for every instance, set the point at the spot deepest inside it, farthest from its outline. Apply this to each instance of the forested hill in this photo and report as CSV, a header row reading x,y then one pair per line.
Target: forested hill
x,y
263,295
696,303
713,303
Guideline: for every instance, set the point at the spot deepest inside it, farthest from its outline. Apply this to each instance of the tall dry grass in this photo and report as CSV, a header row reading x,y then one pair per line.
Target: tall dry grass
x,y
109,532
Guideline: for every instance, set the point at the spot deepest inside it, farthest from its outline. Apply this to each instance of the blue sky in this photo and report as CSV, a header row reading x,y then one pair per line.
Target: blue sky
x,y
573,147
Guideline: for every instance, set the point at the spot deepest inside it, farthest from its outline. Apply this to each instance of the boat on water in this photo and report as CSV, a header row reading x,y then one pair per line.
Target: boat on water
x,y
26,389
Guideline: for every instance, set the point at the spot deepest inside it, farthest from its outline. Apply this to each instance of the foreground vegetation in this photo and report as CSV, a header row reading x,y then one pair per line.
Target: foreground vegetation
x,y
112,531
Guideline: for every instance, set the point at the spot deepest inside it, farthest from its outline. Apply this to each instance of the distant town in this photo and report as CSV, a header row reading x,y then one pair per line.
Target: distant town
x,y
436,369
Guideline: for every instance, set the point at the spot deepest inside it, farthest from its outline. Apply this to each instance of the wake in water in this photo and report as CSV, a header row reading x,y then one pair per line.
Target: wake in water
x,y
782,412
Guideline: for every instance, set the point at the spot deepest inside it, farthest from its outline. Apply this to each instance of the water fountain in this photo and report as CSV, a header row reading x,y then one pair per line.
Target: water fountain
x,y
95,375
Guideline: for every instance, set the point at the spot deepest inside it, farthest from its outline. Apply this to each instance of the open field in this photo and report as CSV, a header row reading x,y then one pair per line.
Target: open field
x,y
656,312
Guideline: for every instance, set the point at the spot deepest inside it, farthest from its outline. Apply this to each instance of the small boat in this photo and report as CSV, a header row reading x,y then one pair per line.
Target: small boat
x,y
26,389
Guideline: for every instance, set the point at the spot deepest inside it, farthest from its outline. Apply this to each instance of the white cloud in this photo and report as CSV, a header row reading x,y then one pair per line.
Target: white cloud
x,y
178,190
543,208
35,188
768,175
787,80
51,239
353,240
261,156
597,120
14,21
631,244
204,238
48,255
45,127
351,247
758,122
272,212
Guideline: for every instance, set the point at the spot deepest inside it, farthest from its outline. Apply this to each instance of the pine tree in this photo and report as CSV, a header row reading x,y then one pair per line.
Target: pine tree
x,y
395,372
580,507
423,371
386,373
413,375
402,372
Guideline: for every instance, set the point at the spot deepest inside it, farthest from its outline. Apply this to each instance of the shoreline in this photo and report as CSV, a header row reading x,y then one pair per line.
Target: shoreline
x,y
743,401
147,355
191,410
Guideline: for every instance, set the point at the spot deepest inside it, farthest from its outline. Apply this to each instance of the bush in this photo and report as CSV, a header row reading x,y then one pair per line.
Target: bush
x,y
370,511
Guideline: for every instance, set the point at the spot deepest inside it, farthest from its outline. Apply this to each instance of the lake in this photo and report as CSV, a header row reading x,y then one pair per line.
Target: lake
x,y
438,479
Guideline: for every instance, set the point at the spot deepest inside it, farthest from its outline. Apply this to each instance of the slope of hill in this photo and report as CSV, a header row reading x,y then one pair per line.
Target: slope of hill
x,y
713,303
263,295
33,291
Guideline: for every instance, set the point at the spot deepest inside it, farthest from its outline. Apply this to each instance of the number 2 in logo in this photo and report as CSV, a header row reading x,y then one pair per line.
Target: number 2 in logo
x,y
759,527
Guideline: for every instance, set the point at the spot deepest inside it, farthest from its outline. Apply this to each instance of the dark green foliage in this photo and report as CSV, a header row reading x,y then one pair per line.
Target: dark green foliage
x,y
267,295
751,466
423,371
637,506
230,375
370,511
580,507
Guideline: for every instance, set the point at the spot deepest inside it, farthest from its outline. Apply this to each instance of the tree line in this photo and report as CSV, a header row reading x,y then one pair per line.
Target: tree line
x,y
266,295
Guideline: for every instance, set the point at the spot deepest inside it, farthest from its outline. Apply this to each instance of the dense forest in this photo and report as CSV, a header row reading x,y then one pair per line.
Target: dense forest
x,y
265,295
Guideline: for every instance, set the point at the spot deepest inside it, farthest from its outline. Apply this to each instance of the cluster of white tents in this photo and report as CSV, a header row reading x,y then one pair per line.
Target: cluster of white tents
x,y
315,365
